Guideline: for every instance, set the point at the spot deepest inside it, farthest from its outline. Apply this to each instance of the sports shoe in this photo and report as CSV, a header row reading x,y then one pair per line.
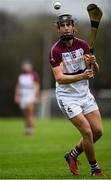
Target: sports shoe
x,y
97,172
72,164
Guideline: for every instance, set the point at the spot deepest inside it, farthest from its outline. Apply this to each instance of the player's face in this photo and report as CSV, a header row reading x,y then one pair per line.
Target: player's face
x,y
66,28
27,67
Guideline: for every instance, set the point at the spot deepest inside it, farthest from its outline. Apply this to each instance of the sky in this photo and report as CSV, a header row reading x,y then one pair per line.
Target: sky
x,y
75,7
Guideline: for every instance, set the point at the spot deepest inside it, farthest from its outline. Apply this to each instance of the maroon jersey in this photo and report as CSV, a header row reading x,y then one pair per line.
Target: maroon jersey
x,y
73,63
27,79
61,53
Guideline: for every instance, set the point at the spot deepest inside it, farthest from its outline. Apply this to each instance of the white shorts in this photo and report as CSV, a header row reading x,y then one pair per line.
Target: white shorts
x,y
71,107
26,102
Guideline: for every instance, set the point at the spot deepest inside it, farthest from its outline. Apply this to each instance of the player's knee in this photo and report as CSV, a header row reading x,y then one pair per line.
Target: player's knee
x,y
88,133
98,133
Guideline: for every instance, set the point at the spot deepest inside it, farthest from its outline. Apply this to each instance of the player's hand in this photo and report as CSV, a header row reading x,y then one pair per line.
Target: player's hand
x,y
89,58
91,62
88,73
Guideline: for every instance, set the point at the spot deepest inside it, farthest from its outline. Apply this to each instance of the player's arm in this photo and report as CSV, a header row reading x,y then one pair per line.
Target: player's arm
x,y
61,78
96,67
17,93
36,87
40,97
37,91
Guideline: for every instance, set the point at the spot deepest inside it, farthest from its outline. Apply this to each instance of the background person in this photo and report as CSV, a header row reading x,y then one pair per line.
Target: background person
x,y
27,94
69,58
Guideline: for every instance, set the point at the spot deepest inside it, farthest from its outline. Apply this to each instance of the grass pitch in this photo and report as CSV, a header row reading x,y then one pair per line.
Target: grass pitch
x,y
41,156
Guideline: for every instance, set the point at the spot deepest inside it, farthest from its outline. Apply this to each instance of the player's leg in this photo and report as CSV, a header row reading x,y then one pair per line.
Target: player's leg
x,y
93,116
28,114
94,119
81,123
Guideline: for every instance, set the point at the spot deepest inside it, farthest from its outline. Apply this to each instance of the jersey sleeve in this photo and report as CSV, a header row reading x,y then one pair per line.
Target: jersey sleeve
x,y
55,57
36,77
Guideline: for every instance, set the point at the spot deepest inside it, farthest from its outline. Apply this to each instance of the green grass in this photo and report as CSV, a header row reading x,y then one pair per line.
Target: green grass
x,y
41,156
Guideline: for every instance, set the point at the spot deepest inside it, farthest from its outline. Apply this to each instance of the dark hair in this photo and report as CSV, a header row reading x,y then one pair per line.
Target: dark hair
x,y
26,61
